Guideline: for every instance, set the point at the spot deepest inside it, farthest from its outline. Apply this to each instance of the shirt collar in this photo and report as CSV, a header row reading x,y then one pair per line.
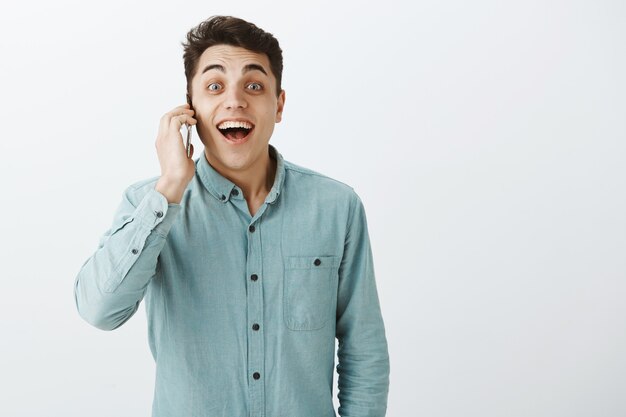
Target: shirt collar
x,y
221,187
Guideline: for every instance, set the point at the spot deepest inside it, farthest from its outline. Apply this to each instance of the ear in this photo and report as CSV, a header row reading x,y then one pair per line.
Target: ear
x,y
280,106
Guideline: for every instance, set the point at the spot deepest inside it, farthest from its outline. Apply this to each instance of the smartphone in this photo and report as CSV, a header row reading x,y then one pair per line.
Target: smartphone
x,y
188,141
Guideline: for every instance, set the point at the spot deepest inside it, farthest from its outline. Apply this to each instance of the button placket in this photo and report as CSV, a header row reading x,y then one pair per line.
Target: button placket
x,y
254,297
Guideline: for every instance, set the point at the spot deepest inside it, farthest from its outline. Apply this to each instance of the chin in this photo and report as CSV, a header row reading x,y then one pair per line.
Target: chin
x,y
232,159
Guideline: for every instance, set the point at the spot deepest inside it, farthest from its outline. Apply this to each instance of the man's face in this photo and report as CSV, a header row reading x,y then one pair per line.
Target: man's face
x,y
231,84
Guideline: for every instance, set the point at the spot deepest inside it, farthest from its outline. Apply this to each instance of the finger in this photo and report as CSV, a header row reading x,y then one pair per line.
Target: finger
x,y
185,108
175,113
177,121
166,120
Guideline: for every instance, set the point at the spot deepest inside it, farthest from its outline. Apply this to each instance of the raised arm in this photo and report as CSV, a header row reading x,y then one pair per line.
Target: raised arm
x,y
113,281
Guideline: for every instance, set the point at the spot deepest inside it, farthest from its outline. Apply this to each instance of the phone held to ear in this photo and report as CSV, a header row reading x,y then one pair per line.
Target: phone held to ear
x,y
188,141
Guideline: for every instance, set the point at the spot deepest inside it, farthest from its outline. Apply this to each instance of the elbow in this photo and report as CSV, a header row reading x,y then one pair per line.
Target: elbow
x,y
101,323
96,313
97,318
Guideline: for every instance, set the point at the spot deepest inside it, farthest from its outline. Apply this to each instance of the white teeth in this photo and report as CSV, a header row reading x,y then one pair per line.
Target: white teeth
x,y
231,124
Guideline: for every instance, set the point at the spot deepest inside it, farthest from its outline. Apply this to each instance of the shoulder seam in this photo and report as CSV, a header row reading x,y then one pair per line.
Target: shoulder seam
x,y
352,208
307,171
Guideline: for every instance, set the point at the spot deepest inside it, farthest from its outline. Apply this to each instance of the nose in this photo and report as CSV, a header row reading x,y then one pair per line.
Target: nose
x,y
235,99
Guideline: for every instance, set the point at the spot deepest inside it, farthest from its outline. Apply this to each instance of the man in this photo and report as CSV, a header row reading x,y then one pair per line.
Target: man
x,y
249,265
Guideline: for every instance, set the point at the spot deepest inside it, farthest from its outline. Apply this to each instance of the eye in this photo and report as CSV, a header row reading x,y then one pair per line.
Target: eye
x,y
212,89
260,87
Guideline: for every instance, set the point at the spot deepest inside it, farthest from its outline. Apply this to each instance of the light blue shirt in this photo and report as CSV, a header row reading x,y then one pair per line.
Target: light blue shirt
x,y
242,310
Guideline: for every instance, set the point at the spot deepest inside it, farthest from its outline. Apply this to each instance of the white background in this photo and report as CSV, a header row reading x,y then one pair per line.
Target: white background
x,y
486,140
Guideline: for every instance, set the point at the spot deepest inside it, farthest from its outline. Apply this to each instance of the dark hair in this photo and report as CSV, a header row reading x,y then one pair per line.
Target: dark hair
x,y
229,30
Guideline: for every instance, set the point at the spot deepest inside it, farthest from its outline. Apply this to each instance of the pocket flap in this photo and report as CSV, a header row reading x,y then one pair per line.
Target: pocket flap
x,y
306,262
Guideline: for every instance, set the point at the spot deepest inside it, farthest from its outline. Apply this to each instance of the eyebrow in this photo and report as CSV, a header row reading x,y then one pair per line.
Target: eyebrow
x,y
247,68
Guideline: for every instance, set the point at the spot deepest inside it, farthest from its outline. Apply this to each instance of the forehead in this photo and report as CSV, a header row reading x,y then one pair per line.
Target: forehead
x,y
232,56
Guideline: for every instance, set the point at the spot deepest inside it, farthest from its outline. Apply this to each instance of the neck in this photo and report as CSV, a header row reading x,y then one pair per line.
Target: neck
x,y
256,181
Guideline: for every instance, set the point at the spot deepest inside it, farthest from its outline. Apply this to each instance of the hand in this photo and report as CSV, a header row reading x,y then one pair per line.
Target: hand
x,y
176,169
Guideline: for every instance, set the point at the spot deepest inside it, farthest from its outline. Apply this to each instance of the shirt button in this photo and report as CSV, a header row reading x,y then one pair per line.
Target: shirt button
x,y
255,326
251,228
317,262
135,251
256,375
159,214
254,277
234,192
223,197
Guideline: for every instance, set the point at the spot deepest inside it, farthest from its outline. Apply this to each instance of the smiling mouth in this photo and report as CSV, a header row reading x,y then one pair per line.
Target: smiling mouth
x,y
235,134
235,131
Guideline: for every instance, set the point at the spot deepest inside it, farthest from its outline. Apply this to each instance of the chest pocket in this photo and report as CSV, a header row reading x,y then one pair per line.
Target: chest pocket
x,y
307,291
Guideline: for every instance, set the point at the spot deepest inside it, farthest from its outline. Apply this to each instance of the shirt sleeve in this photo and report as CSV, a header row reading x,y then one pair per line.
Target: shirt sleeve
x,y
112,282
363,358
